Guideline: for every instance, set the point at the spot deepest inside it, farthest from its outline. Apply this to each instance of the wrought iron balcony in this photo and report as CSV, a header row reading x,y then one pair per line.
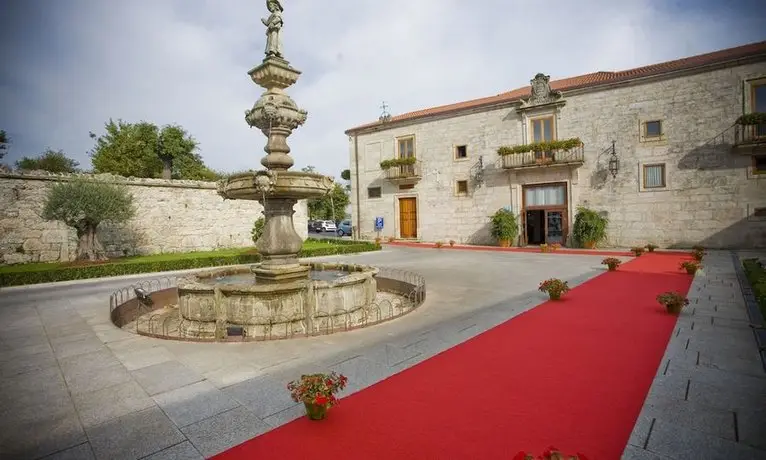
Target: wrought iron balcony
x,y
750,135
404,173
554,157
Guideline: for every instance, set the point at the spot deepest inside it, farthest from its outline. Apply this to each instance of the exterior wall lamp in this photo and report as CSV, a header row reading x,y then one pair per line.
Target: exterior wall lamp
x,y
614,162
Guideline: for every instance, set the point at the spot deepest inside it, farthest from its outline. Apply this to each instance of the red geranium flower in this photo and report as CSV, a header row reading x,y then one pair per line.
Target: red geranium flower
x,y
581,456
520,456
320,400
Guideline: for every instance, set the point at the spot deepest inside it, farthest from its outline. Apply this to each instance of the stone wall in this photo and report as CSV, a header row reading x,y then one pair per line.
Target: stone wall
x,y
710,195
172,216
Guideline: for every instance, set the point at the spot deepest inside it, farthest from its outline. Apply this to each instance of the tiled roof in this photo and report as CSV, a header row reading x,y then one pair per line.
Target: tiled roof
x,y
590,80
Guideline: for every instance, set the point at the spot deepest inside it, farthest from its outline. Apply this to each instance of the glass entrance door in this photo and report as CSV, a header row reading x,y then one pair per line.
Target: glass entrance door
x,y
554,227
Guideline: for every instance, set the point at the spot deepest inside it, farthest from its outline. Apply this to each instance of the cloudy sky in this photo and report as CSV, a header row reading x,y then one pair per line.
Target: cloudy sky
x,y
70,65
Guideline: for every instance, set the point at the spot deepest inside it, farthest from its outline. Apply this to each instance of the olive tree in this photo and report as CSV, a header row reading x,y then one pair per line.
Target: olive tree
x,y
84,205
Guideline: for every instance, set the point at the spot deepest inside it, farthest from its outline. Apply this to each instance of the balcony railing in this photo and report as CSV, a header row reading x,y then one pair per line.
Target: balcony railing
x,y
748,135
403,173
572,156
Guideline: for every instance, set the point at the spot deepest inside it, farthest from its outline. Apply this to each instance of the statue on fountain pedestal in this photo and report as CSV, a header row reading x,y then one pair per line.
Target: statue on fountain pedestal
x,y
273,26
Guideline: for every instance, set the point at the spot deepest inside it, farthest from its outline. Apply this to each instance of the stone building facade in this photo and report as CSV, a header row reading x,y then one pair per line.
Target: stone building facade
x,y
688,174
172,216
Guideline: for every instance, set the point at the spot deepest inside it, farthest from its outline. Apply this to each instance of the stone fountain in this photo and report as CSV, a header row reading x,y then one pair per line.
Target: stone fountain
x,y
280,292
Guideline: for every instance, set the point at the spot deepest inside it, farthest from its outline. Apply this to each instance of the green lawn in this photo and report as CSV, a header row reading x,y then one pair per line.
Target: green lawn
x,y
756,274
33,273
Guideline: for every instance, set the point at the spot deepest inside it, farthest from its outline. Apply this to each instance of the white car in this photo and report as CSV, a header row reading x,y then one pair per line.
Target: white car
x,y
328,226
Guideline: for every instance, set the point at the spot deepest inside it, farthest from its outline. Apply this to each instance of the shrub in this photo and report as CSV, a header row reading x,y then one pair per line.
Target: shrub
x,y
37,275
589,227
84,205
554,287
257,231
451,243
690,266
698,255
503,225
697,247
612,263
651,247
637,251
391,239
438,245
673,301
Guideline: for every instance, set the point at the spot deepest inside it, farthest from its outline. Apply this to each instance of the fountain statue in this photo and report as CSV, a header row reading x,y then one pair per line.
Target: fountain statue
x,y
276,188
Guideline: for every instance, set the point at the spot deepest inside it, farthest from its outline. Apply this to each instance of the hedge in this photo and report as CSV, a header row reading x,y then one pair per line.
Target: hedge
x,y
131,268
756,274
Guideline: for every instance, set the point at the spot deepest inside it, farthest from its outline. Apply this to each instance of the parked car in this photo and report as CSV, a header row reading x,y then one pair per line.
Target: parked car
x,y
328,226
344,228
316,226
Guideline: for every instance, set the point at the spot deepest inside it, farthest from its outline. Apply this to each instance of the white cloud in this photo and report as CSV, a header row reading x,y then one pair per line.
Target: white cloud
x,y
74,65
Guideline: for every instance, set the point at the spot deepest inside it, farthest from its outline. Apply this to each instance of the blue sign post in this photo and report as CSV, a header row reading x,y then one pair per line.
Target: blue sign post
x,y
378,224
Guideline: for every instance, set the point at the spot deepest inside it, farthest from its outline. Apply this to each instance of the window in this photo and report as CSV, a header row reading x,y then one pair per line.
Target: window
x,y
545,195
758,94
461,187
759,212
653,129
461,151
759,164
405,147
406,186
654,176
373,192
542,129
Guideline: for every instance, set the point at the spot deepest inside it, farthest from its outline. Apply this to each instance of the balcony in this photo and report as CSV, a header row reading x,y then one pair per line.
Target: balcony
x,y
402,171
750,137
557,153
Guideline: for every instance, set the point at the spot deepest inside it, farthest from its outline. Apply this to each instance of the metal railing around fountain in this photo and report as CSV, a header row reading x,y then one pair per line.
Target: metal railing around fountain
x,y
142,308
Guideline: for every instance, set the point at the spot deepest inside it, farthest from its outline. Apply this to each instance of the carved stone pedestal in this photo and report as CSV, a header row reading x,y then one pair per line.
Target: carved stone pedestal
x,y
279,244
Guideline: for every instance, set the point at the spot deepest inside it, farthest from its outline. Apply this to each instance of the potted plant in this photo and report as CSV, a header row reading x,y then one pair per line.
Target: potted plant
x,y
451,243
504,227
637,251
554,287
377,240
391,239
612,263
691,266
555,247
438,245
697,247
549,454
544,248
673,302
317,392
698,255
651,247
589,227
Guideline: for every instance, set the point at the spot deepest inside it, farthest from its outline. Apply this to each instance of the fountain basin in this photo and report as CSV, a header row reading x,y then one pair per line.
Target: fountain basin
x,y
295,185
216,302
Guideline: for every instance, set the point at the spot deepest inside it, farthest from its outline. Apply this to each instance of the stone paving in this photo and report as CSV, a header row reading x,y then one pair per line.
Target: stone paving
x,y
74,386
708,400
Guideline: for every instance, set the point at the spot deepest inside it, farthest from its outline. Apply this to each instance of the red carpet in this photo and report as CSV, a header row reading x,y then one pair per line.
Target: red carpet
x,y
573,374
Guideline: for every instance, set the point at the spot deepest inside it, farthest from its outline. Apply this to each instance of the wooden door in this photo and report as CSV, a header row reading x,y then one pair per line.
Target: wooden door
x,y
408,217
556,226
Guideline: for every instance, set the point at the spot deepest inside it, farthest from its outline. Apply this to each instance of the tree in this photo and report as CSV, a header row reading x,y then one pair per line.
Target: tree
x,y
4,141
345,174
144,150
51,161
331,206
84,205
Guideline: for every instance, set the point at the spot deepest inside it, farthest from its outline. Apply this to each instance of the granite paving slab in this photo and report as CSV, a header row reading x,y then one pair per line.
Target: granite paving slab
x,y
706,400
134,435
162,377
225,430
194,402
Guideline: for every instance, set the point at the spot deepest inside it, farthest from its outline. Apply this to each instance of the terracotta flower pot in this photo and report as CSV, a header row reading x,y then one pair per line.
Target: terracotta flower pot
x,y
590,245
691,270
505,243
555,295
612,267
315,411
674,308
